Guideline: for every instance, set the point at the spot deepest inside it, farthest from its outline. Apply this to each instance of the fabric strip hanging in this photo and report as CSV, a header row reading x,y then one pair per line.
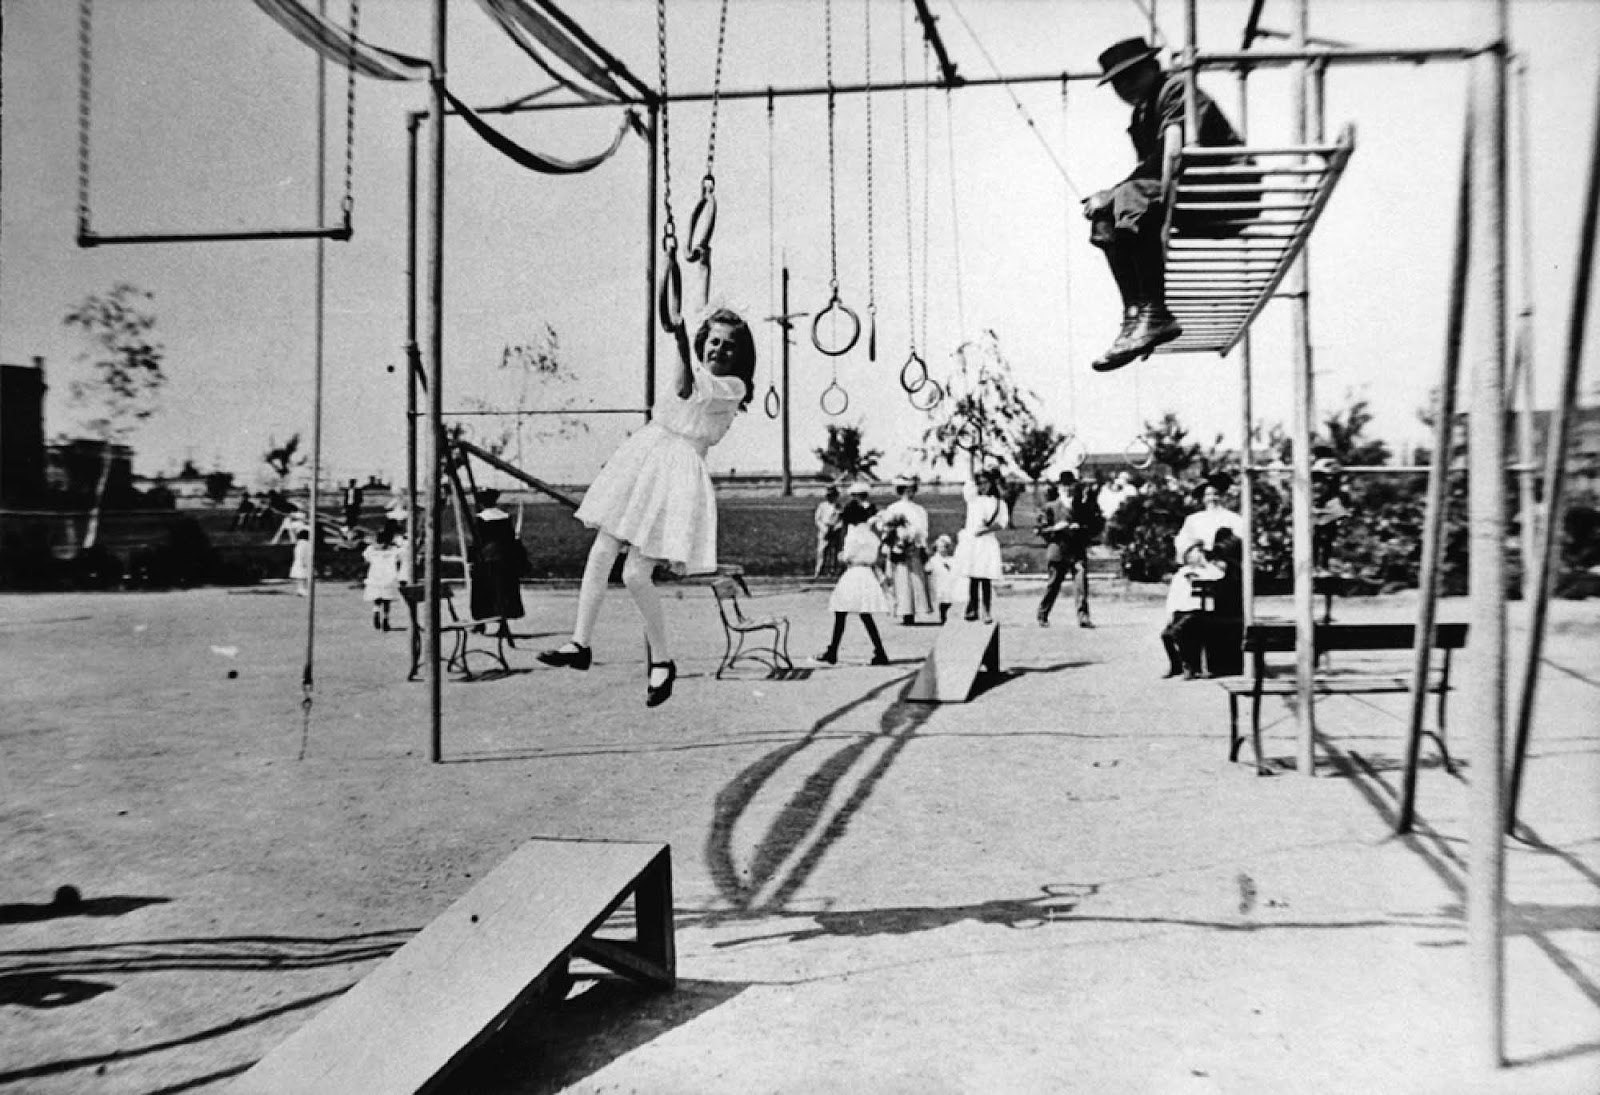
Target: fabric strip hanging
x,y
334,43
536,161
521,22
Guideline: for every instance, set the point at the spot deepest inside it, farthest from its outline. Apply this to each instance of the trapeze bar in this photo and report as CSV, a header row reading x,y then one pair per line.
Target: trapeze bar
x,y
95,239
521,414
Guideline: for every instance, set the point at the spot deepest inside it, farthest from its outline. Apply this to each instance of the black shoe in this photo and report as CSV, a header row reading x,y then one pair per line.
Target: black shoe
x,y
1084,621
971,617
578,657
1156,327
827,657
880,658
1044,621
656,694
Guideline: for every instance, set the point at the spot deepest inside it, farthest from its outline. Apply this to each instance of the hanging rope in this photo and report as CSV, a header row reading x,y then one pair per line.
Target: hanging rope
x,y
872,275
669,301
955,210
772,404
703,222
924,392
1070,219
835,311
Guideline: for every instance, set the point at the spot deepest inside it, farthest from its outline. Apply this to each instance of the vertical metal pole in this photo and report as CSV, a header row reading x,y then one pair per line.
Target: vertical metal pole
x,y
650,264
1554,478
1484,688
1247,418
1303,421
413,356
319,292
1522,361
783,328
1191,78
1439,472
435,364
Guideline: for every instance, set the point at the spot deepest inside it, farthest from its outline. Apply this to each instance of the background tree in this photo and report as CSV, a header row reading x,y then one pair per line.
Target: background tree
x,y
984,414
845,455
219,484
125,378
284,458
523,380
1037,444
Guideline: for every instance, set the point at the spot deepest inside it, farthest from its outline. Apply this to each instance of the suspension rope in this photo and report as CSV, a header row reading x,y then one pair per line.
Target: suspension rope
x,y
1069,219
872,273
703,222
772,403
836,310
955,209
85,53
669,302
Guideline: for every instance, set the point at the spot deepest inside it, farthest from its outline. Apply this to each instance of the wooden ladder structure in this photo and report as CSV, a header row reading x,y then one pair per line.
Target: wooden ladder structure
x,y
1260,205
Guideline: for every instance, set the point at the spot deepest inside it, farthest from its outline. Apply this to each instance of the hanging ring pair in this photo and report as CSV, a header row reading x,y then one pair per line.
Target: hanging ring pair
x,y
703,222
927,396
772,404
1140,453
836,308
835,400
914,374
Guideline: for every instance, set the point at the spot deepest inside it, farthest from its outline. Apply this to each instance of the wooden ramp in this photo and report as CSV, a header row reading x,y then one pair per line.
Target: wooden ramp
x,y
407,1023
963,653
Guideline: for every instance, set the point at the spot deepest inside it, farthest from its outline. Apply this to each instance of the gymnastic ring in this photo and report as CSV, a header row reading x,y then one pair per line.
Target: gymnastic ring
x,y
772,404
701,225
843,401
1141,444
920,373
930,401
835,305
669,302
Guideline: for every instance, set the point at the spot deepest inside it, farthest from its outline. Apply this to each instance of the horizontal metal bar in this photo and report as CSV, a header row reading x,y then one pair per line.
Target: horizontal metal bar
x,y
1246,151
519,414
1221,170
1275,58
97,239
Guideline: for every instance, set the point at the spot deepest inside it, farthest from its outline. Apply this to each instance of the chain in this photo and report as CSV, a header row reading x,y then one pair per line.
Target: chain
x,y
833,213
927,187
669,232
905,142
708,184
85,25
872,276
348,203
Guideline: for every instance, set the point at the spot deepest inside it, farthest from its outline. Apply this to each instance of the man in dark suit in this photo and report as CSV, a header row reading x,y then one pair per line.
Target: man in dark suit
x,y
1068,523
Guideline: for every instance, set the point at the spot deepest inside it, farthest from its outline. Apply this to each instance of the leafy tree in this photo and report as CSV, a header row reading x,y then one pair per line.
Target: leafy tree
x,y
984,414
523,378
844,456
1169,445
284,458
125,379
1036,447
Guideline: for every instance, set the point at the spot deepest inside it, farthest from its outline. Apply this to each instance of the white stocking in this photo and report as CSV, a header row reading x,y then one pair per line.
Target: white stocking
x,y
637,575
596,573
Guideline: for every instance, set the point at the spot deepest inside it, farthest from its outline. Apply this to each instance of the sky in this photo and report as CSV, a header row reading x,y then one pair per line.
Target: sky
x,y
203,117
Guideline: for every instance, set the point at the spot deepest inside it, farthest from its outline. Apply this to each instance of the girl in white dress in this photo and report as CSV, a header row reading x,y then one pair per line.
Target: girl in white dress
x,y
654,496
382,587
942,577
979,551
860,589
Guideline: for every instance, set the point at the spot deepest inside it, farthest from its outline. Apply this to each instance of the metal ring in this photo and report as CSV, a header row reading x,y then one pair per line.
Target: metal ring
x,y
772,404
930,401
669,302
1144,445
836,305
702,224
843,401
921,373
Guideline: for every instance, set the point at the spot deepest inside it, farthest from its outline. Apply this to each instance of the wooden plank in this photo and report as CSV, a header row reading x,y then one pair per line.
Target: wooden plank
x,y
404,1025
952,668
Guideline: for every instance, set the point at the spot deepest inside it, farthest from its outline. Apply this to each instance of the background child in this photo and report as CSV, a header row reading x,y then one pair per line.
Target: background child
x,y
941,575
1184,637
859,589
385,558
979,557
300,563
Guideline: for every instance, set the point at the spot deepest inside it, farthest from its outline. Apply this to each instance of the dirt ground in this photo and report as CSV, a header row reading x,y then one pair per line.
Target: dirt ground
x,y
1061,886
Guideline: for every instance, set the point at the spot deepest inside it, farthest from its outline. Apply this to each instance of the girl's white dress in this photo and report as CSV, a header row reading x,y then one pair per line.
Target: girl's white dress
x,y
978,551
655,493
946,589
383,572
858,589
300,561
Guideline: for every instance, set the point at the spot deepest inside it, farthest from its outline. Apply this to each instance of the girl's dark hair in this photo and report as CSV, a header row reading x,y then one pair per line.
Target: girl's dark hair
x,y
857,511
744,345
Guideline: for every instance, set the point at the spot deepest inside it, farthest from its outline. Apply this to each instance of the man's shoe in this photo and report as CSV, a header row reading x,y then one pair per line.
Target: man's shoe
x,y
1156,327
567,656
827,657
1121,352
880,658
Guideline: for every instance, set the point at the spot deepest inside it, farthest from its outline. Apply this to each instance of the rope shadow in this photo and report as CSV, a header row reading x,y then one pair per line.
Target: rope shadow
x,y
272,953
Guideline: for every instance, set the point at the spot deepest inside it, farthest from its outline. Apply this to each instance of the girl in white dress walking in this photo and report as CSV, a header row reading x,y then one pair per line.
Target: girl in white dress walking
x,y
860,587
654,496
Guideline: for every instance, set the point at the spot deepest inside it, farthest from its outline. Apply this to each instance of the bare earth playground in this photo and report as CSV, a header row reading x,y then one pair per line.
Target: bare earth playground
x,y
1062,885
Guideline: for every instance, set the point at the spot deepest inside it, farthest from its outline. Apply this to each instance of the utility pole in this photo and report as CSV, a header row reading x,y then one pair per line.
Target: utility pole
x,y
785,321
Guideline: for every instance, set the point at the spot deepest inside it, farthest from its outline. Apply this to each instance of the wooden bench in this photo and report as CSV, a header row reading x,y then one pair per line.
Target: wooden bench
x,y
501,945
769,634
492,629
1264,639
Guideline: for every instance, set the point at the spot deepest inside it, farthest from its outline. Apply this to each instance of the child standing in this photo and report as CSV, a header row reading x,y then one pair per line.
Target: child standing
x,y
1183,637
942,577
300,563
979,559
859,590
385,558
